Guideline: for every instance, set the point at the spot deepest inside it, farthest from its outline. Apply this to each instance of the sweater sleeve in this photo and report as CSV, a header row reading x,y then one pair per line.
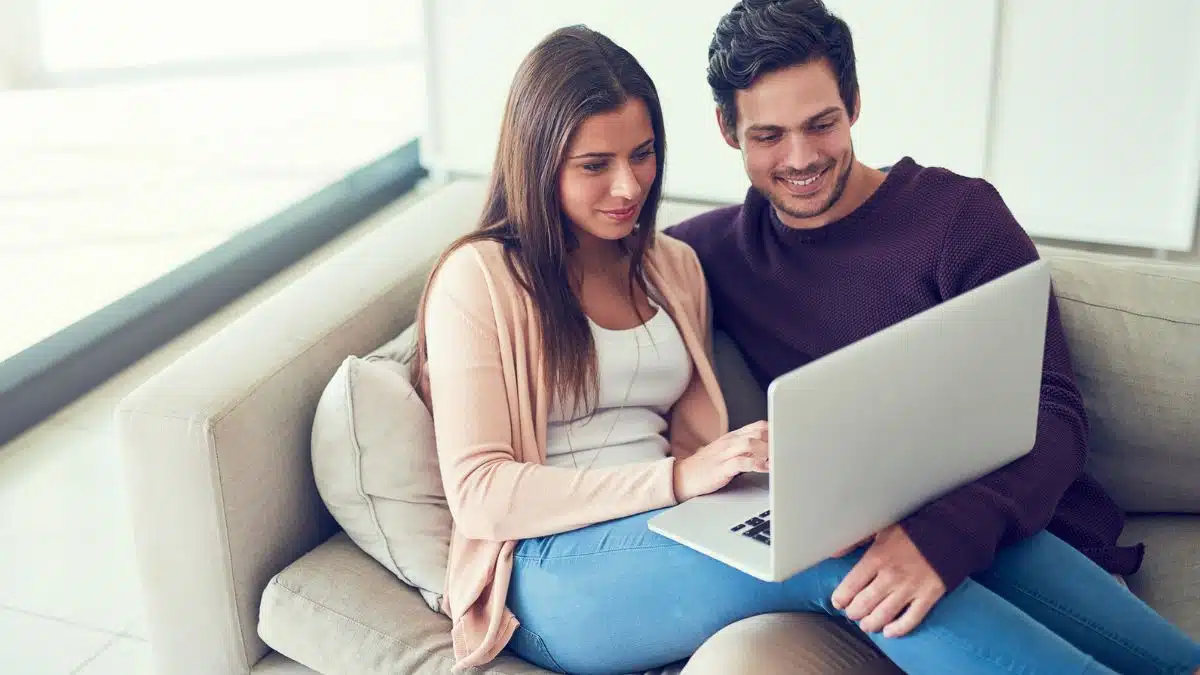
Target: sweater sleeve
x,y
472,374
960,533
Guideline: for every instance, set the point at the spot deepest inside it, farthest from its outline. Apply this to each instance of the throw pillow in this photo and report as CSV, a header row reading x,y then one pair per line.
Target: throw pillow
x,y
376,468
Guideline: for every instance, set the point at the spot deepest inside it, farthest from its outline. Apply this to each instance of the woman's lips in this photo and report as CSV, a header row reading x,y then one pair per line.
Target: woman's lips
x,y
622,215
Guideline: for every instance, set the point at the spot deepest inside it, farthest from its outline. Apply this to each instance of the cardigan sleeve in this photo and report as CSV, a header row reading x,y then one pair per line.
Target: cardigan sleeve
x,y
475,390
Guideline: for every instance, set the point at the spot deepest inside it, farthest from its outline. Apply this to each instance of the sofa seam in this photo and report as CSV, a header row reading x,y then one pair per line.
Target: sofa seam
x,y
1097,305
297,594
223,532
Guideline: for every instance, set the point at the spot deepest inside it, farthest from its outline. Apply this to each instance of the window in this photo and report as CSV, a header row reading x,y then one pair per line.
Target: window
x,y
141,135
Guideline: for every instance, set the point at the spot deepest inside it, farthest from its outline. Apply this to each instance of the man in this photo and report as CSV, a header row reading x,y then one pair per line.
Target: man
x,y
825,251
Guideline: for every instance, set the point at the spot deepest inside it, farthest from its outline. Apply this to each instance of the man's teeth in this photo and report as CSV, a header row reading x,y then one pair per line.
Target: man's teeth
x,y
802,183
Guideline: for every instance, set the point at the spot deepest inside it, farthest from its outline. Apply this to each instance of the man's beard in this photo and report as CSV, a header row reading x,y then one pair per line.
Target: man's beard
x,y
779,200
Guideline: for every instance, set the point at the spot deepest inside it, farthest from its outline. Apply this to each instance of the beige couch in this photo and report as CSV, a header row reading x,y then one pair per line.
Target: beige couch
x,y
234,543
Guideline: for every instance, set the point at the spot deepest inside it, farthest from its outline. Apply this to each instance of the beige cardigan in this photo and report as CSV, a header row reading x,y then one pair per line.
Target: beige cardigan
x,y
490,404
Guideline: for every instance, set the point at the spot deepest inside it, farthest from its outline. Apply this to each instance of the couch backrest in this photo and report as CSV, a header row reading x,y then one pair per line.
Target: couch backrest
x,y
1133,328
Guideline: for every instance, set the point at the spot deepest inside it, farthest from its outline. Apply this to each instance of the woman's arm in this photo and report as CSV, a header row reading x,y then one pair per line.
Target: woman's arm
x,y
491,495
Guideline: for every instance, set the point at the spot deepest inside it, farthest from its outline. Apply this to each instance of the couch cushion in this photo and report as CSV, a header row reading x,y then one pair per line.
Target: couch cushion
x,y
336,610
376,468
1133,328
1169,580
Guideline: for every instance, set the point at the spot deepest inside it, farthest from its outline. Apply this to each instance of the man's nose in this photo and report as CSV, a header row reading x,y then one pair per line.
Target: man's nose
x,y
801,153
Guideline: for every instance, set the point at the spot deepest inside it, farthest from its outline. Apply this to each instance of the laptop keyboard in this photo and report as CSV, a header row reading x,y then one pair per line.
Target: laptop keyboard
x,y
757,527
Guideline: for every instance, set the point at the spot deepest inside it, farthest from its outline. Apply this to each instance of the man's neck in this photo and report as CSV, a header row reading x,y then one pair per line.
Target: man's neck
x,y
861,184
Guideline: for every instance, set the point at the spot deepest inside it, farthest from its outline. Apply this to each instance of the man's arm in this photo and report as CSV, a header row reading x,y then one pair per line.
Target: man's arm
x,y
960,533
911,565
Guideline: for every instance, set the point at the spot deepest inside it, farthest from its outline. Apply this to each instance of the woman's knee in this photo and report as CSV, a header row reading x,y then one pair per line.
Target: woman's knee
x,y
798,643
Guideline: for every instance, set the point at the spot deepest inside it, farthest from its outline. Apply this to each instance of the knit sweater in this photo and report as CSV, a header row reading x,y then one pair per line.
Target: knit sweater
x,y
485,382
789,296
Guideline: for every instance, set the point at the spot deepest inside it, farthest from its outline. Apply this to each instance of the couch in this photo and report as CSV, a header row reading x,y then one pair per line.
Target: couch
x,y
245,571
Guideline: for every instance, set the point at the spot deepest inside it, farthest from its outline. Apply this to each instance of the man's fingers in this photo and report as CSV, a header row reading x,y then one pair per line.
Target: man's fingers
x,y
866,600
858,578
885,612
917,610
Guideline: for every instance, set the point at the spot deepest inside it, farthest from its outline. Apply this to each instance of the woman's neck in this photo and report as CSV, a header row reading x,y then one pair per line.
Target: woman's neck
x,y
596,256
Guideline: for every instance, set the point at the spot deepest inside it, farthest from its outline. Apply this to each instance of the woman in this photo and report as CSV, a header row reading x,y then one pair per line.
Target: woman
x,y
562,349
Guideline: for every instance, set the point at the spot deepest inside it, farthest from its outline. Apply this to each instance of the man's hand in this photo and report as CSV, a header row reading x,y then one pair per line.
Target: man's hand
x,y
891,588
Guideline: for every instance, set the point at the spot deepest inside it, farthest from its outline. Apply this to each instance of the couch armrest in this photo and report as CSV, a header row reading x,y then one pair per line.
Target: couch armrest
x,y
216,446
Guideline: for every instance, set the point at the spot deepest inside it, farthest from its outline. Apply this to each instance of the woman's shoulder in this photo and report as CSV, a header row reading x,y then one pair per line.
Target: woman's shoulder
x,y
474,264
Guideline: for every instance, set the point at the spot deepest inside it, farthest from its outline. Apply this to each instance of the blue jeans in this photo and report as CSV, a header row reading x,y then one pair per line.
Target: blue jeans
x,y
617,598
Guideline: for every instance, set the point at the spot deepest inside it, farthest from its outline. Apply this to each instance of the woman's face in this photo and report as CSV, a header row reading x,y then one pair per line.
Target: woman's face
x,y
609,170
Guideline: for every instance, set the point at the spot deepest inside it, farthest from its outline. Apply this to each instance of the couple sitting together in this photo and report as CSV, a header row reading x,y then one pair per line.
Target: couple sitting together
x,y
563,350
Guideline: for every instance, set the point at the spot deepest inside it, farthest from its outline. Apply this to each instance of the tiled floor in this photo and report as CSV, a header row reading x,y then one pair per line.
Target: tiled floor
x,y
70,599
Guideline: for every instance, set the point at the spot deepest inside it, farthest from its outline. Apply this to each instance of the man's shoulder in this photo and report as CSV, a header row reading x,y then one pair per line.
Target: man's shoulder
x,y
707,229
940,197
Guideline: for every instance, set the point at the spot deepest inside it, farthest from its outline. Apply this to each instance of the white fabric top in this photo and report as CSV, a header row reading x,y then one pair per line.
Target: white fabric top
x,y
641,373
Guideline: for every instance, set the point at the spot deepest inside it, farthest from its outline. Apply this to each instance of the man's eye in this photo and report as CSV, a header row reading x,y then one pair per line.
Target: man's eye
x,y
770,138
826,126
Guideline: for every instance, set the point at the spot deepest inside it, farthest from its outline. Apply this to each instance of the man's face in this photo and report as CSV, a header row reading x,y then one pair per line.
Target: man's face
x,y
794,133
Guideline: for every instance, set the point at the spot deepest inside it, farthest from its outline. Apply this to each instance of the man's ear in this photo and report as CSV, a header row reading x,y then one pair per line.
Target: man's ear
x,y
730,135
857,108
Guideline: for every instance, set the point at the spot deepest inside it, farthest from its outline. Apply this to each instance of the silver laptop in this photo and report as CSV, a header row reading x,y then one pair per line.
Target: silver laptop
x,y
866,435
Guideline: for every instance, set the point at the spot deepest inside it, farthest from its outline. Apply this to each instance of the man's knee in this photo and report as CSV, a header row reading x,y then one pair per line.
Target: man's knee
x,y
789,644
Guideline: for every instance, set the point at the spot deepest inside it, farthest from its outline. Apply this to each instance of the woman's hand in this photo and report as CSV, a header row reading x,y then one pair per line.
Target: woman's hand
x,y
714,465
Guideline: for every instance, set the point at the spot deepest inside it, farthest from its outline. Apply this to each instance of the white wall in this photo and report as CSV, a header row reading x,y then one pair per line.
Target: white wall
x,y
1087,121
20,47
1096,133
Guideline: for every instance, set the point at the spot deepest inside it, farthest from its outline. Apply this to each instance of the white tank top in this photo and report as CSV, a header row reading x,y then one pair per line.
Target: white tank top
x,y
641,373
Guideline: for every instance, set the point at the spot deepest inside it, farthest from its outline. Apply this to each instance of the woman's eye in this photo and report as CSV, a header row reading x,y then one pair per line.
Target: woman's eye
x,y
593,168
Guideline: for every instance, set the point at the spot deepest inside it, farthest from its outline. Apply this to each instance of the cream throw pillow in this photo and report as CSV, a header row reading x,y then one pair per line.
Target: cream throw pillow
x,y
376,468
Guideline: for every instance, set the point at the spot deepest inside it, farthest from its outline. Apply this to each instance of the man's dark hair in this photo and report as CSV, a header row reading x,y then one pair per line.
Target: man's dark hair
x,y
757,37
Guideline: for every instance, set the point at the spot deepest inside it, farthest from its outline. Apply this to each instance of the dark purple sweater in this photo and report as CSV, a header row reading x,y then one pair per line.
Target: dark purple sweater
x,y
790,296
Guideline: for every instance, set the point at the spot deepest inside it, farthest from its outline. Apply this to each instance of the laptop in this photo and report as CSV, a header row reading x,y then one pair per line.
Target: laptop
x,y
864,436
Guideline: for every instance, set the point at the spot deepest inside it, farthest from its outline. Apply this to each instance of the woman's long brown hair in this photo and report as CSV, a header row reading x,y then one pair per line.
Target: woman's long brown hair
x,y
570,75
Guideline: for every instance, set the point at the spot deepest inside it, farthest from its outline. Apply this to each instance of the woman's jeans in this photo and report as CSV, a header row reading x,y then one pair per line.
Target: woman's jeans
x,y
617,598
